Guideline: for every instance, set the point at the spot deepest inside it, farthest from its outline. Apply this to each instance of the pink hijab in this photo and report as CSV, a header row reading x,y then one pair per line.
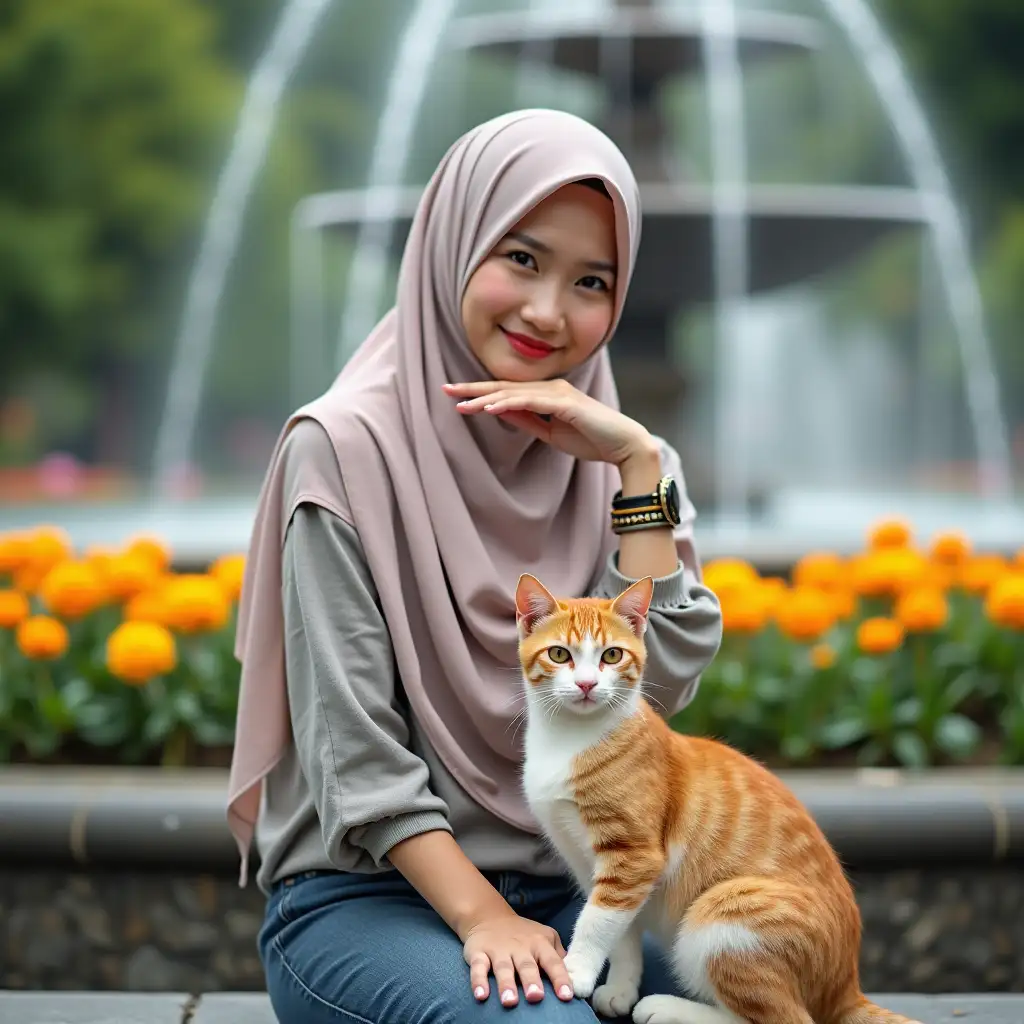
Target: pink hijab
x,y
450,510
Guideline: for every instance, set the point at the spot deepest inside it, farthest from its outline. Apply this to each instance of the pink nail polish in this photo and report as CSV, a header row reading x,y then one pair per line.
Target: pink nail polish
x,y
479,991
565,992
534,990
507,996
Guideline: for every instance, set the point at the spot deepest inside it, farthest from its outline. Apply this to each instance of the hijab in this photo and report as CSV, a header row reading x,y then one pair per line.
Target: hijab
x,y
450,509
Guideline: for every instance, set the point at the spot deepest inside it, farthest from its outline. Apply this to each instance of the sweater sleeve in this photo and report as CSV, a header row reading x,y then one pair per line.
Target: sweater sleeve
x,y
349,728
684,625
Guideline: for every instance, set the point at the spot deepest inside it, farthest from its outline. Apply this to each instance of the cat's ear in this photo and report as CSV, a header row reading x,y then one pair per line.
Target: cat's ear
x,y
632,604
533,603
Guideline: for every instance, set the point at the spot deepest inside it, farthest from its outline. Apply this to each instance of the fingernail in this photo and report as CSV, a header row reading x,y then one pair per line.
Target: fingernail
x,y
534,990
479,991
507,996
565,992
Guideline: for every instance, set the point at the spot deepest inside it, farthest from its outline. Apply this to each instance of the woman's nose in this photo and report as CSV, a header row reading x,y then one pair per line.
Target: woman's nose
x,y
543,310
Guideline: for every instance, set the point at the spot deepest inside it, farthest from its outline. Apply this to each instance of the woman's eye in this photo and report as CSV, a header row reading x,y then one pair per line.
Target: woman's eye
x,y
612,656
524,259
559,655
593,284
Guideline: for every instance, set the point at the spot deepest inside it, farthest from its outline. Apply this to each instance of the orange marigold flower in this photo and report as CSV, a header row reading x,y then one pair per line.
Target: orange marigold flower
x,y
15,551
923,610
879,635
724,573
1004,604
890,533
744,610
130,574
887,572
229,570
49,545
149,606
28,578
138,651
152,548
73,589
195,603
982,571
1018,559
42,638
950,548
805,614
822,569
14,608
823,657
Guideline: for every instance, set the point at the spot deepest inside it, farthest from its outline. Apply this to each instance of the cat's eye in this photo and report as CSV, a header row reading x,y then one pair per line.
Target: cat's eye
x,y
612,656
559,655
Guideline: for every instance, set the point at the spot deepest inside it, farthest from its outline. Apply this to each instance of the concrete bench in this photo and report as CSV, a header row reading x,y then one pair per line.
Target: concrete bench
x,y
254,1008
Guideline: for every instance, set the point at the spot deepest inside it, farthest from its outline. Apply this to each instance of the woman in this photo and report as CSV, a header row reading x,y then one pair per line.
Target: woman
x,y
474,436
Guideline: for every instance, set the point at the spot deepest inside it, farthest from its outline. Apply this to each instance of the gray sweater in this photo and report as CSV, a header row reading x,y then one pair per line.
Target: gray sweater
x,y
360,775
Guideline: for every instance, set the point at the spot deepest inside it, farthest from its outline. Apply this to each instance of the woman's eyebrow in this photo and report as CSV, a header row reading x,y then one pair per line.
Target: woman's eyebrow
x,y
534,243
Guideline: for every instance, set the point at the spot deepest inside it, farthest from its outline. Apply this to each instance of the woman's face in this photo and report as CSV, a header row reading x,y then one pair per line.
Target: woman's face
x,y
542,301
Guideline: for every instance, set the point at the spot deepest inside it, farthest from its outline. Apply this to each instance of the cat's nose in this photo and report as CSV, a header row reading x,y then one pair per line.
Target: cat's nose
x,y
586,685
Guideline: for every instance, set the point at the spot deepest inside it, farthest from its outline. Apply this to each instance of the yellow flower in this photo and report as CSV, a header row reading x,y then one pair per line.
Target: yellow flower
x,y
805,614
725,573
229,570
49,545
744,610
15,551
844,604
950,548
823,657
73,589
889,533
42,638
148,606
887,572
1004,604
138,651
151,548
879,635
28,578
129,574
982,571
822,569
923,610
195,603
14,608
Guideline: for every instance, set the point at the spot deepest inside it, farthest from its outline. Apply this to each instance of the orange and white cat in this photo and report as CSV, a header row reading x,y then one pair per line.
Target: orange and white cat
x,y
681,837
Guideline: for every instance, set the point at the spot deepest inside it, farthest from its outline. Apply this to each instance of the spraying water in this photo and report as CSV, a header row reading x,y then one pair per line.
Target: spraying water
x,y
727,117
410,74
888,76
221,234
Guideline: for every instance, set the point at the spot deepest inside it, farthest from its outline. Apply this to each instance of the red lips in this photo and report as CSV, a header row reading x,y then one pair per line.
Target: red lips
x,y
531,348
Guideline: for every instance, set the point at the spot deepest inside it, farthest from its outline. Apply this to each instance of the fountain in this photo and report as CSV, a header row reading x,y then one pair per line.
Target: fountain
x,y
783,428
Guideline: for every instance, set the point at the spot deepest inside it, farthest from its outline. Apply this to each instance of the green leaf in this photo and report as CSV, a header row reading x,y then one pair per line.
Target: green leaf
x,y
797,748
908,712
910,749
957,736
843,733
770,689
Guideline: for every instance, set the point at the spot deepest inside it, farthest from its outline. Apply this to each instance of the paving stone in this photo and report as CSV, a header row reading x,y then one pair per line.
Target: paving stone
x,y
93,1008
235,1008
984,1008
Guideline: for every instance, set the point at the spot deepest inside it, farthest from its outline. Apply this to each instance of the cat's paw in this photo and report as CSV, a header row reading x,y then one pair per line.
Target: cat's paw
x,y
615,1000
582,973
673,1010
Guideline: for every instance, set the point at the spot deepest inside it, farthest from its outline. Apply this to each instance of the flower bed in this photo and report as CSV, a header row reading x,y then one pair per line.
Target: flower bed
x,y
896,655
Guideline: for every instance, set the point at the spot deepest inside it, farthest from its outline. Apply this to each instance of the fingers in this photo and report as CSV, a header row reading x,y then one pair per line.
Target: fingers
x,y
530,423
479,969
550,960
505,979
529,976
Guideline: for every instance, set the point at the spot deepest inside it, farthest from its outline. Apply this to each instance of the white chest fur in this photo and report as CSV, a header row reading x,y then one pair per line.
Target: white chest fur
x,y
551,751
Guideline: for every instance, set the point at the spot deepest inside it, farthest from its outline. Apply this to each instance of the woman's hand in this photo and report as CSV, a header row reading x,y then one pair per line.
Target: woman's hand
x,y
578,425
509,945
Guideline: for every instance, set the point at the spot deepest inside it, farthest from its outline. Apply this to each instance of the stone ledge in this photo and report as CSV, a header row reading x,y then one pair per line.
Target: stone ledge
x,y
175,819
254,1008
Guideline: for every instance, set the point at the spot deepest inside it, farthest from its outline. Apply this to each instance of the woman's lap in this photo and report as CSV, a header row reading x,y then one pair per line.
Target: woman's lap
x,y
370,950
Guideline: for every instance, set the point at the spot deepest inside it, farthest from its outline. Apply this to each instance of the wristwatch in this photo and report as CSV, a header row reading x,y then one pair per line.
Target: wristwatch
x,y
647,511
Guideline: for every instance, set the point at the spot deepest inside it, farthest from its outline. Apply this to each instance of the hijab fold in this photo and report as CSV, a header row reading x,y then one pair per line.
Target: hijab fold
x,y
449,509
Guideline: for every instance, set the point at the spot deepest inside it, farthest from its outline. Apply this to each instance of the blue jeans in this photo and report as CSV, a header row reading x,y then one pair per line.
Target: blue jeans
x,y
369,949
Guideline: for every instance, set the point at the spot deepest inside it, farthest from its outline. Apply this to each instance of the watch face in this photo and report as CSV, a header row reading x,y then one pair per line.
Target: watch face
x,y
670,501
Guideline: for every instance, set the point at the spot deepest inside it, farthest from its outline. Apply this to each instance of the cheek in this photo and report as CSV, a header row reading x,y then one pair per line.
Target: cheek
x,y
491,292
590,325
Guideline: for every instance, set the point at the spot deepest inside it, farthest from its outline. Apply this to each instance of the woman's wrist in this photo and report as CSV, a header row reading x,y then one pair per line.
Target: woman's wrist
x,y
640,470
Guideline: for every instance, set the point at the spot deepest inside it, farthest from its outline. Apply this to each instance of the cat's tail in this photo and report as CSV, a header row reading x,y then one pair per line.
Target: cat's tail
x,y
866,1012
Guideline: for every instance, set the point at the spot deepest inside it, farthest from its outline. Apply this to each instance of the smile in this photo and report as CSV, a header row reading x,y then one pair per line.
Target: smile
x,y
531,348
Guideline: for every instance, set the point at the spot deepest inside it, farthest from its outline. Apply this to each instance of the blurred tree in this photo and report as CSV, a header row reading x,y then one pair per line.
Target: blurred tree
x,y
113,115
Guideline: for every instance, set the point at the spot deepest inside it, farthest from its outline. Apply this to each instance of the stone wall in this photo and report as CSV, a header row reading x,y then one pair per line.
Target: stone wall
x,y
934,930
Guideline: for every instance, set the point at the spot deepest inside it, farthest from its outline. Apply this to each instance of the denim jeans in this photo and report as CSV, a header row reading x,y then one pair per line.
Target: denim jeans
x,y
369,949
